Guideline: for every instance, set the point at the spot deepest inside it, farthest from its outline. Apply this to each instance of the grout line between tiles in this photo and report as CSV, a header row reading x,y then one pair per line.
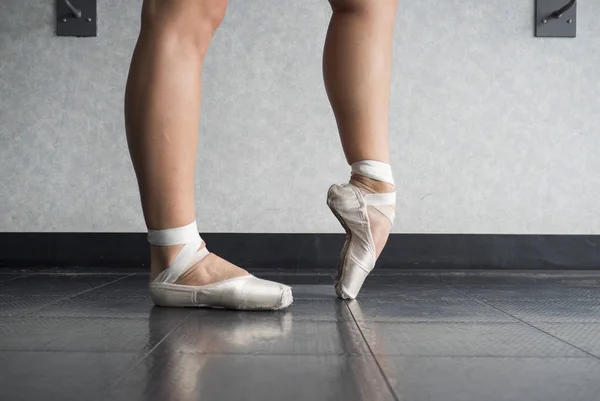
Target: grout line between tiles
x,y
16,278
416,356
385,378
527,323
140,360
34,310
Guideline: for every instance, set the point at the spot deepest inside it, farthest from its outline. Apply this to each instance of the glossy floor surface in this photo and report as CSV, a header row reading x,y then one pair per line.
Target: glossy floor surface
x,y
427,336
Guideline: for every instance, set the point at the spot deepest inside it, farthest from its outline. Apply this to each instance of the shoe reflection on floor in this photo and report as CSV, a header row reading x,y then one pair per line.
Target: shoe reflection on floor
x,y
189,362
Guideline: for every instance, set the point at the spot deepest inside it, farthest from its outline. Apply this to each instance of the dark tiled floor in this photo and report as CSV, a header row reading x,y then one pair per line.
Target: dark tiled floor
x,y
428,336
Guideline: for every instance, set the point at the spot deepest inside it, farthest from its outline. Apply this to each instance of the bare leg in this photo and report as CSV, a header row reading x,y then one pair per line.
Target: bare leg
x,y
357,63
162,113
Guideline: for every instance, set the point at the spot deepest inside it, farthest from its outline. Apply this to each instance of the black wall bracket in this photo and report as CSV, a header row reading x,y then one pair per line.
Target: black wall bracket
x,y
76,18
556,18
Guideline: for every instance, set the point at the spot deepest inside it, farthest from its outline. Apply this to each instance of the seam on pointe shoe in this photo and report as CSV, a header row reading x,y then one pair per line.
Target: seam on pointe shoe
x,y
364,205
357,264
362,201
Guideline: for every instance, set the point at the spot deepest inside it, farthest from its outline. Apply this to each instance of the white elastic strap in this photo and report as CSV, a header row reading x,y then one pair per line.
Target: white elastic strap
x,y
380,199
187,257
373,169
382,202
189,254
174,236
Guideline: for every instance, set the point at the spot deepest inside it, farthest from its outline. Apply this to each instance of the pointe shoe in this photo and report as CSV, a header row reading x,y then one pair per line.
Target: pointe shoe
x,y
241,293
358,256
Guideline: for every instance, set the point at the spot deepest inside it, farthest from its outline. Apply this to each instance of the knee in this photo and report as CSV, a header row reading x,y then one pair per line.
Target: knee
x,y
364,6
184,22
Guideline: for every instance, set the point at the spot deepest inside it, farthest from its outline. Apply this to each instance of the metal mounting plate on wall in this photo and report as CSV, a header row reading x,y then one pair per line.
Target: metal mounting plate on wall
x,y
563,27
67,22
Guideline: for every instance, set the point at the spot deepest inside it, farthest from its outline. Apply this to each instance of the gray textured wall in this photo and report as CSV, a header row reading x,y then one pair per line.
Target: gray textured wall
x,y
493,130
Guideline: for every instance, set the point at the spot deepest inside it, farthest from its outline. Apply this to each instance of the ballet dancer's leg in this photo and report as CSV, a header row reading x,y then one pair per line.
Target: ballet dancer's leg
x,y
162,112
357,72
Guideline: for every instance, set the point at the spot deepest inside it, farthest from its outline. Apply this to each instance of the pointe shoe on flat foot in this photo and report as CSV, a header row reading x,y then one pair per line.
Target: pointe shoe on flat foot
x,y
241,293
358,256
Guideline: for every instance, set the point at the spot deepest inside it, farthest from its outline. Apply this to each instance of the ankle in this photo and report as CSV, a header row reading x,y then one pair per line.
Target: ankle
x,y
164,255
161,257
371,185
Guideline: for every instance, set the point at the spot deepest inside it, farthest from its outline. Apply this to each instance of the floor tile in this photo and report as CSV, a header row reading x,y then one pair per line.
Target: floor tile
x,y
273,334
98,304
535,293
402,278
131,283
583,335
493,379
463,339
89,334
302,291
500,278
4,277
12,271
473,279
167,375
55,285
566,310
59,376
439,292
398,309
20,304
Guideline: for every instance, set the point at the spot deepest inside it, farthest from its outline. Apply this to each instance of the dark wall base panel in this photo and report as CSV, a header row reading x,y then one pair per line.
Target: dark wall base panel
x,y
313,251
